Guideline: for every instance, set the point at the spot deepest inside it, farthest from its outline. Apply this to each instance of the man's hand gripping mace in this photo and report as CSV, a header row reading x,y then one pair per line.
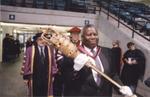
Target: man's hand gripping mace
x,y
63,44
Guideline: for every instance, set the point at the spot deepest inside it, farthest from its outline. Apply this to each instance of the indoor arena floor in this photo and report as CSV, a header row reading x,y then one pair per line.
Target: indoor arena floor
x,y
11,82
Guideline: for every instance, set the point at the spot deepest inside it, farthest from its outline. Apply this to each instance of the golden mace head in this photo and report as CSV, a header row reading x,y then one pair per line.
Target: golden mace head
x,y
61,42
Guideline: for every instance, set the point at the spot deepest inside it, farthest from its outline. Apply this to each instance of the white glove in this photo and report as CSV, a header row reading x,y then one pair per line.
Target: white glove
x,y
125,90
81,60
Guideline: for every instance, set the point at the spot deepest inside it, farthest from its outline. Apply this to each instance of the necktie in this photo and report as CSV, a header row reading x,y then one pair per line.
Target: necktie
x,y
42,55
98,66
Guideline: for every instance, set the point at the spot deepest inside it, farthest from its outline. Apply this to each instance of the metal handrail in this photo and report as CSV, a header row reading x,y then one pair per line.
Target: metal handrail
x,y
107,12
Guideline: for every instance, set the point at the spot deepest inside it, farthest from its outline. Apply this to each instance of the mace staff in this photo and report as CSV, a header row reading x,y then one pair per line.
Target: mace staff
x,y
63,44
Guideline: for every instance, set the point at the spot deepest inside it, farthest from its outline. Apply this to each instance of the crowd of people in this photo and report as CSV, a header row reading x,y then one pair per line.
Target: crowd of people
x,y
11,48
48,72
130,66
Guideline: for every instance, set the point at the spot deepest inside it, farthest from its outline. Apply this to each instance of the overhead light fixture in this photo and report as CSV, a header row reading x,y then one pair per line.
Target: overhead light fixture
x,y
23,25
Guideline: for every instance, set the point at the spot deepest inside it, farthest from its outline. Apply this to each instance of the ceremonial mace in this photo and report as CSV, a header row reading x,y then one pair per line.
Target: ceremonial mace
x,y
62,43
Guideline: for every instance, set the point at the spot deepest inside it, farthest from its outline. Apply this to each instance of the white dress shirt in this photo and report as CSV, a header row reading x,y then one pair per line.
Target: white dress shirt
x,y
39,48
97,61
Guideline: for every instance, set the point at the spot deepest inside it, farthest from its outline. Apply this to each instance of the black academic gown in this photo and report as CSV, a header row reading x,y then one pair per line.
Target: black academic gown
x,y
82,83
116,59
40,74
131,73
70,78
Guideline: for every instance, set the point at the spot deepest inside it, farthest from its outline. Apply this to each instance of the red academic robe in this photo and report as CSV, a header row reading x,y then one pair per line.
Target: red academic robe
x,y
29,64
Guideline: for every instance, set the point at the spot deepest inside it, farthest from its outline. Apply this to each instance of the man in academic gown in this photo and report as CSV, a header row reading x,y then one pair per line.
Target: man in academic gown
x,y
81,80
39,67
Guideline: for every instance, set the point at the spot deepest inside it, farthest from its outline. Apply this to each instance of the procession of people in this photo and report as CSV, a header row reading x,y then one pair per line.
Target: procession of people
x,y
49,72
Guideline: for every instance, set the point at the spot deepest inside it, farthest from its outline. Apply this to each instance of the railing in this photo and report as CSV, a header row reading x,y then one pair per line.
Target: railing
x,y
105,8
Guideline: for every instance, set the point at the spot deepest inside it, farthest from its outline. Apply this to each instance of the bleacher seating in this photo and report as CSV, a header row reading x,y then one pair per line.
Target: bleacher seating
x,y
135,14
128,12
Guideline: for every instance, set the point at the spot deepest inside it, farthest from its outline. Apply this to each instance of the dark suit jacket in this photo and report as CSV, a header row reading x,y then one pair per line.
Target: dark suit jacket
x,y
82,83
